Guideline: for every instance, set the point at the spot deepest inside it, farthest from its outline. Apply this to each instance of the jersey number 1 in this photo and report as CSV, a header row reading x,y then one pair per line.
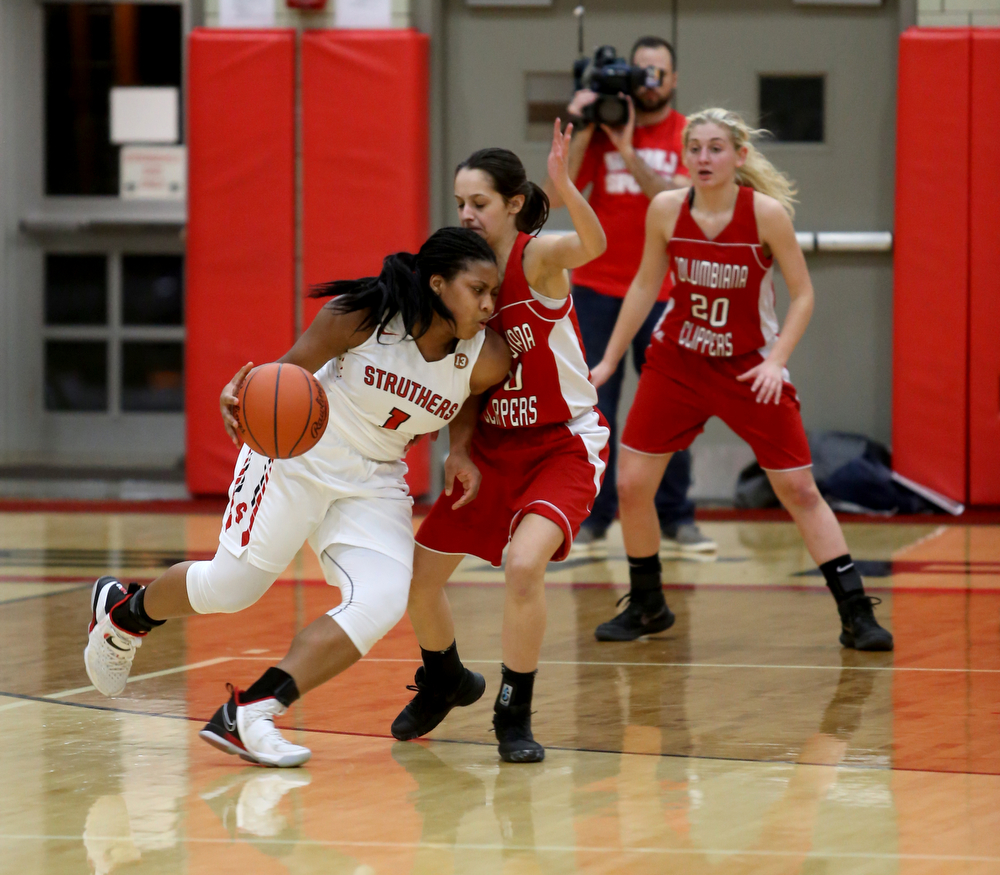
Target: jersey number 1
x,y
514,383
396,418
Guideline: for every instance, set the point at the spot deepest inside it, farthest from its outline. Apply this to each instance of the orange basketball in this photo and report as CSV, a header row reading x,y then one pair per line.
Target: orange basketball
x,y
283,410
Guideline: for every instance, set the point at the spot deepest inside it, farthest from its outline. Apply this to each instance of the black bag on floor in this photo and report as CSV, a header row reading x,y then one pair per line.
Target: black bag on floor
x,y
753,489
852,472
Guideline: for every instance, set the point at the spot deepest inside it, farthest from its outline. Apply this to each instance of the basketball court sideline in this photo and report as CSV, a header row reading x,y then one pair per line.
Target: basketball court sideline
x,y
744,739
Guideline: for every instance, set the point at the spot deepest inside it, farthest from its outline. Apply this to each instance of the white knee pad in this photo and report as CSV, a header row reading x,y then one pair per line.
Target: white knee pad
x,y
226,584
373,587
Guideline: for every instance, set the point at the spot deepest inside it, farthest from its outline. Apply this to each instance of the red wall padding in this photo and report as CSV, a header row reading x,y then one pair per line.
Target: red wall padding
x,y
984,271
365,150
240,244
930,299
366,161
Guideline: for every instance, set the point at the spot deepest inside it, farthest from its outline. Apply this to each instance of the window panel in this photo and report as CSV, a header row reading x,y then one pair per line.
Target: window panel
x,y
153,290
90,47
152,377
76,375
792,107
546,96
76,290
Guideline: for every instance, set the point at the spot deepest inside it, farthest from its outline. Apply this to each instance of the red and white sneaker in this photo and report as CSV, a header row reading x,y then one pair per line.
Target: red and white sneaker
x,y
247,730
110,649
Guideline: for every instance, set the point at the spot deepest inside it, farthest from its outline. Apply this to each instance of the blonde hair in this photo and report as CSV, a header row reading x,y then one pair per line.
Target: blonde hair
x,y
757,172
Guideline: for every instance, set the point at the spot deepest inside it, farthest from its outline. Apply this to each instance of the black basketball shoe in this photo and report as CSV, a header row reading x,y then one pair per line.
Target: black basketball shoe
x,y
860,628
431,705
513,728
635,621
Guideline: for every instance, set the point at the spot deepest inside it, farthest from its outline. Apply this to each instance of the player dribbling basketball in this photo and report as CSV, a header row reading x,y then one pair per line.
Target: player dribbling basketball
x,y
397,355
539,444
717,352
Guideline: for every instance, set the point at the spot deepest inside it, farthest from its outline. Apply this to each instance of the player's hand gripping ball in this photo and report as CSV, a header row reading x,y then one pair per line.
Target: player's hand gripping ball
x,y
282,410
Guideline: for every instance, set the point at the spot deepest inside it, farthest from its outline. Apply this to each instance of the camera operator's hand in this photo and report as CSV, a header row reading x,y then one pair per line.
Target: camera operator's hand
x,y
583,97
621,138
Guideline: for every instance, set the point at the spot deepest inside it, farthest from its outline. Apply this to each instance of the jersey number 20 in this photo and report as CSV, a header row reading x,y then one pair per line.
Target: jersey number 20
x,y
396,418
720,310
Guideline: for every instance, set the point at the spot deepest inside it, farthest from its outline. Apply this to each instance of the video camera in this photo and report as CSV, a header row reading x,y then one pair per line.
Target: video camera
x,y
610,76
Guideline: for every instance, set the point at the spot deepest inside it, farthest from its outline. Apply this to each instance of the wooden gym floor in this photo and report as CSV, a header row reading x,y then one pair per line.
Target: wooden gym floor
x,y
743,740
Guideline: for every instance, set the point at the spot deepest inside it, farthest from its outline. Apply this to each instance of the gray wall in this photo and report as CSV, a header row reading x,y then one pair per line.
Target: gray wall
x,y
488,51
479,60
20,186
33,224
843,366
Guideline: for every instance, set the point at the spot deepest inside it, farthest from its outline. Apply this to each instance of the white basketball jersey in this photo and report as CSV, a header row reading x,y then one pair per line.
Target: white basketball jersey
x,y
384,393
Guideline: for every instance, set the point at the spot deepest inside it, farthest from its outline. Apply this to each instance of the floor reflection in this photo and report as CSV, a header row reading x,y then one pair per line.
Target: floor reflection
x,y
743,740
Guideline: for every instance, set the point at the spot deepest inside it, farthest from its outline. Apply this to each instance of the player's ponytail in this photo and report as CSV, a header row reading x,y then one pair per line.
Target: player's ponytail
x,y
757,172
535,212
509,180
403,287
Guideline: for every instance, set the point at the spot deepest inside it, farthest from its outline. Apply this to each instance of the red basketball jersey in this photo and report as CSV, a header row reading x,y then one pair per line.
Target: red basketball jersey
x,y
549,381
722,301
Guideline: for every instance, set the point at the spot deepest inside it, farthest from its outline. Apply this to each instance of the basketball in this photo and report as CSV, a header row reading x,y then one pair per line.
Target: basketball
x,y
283,410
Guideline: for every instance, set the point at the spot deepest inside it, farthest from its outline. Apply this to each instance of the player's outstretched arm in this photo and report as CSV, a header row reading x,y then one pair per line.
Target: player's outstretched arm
x,y
777,233
547,259
582,135
642,293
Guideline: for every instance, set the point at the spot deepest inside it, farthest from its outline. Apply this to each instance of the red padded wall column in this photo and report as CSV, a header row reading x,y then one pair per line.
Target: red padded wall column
x,y
365,160
931,276
240,244
984,271
365,150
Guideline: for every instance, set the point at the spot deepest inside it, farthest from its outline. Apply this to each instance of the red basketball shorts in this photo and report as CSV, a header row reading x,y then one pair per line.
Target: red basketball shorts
x,y
679,390
554,471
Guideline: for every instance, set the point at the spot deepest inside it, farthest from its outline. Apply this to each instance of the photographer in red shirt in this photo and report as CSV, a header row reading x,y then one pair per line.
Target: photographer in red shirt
x,y
626,167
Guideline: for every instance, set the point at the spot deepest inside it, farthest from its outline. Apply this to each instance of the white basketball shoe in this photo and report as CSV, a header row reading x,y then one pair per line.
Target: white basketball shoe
x,y
110,649
247,730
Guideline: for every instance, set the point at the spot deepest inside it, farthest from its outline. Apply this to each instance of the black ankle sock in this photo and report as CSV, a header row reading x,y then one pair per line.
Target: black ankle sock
x,y
273,684
442,667
842,578
515,688
131,615
646,585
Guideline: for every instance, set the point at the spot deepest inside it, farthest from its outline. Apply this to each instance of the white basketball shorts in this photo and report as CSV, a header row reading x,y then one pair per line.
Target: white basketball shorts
x,y
328,496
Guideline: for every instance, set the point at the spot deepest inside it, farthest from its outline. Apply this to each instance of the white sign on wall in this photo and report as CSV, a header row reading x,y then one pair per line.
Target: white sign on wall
x,y
144,115
246,13
363,14
153,173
